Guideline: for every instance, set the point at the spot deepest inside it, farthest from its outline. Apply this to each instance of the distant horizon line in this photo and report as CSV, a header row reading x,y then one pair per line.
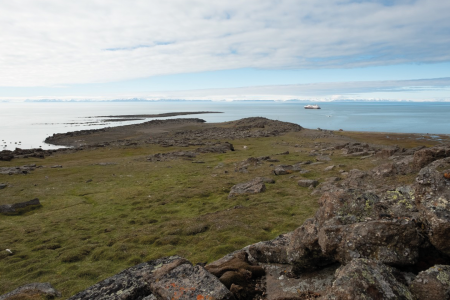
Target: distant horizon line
x,y
210,100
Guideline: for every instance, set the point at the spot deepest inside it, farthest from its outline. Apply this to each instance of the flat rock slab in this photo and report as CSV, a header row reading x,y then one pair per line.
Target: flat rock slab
x,y
165,278
254,186
280,285
8,209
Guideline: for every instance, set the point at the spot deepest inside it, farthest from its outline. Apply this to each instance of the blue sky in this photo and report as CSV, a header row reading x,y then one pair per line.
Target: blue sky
x,y
225,50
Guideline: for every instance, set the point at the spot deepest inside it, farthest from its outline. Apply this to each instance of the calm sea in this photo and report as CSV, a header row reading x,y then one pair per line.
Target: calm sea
x,y
26,125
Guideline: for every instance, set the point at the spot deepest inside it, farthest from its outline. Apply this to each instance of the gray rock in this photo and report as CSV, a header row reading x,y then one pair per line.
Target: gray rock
x,y
254,186
286,169
8,209
16,170
388,241
44,289
323,158
307,183
273,251
172,155
367,279
329,168
2,186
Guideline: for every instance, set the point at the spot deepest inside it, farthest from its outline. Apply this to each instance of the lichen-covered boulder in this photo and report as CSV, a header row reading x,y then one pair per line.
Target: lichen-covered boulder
x,y
165,278
273,251
367,279
393,242
432,195
433,283
304,251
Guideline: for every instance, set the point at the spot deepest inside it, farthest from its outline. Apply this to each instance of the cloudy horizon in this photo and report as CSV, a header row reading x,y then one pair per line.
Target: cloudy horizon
x,y
277,50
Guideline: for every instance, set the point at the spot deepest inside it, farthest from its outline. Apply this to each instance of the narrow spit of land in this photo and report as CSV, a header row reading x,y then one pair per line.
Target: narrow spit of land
x,y
134,193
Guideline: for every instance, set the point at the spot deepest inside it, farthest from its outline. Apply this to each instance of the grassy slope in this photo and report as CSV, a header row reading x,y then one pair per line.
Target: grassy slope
x,y
137,210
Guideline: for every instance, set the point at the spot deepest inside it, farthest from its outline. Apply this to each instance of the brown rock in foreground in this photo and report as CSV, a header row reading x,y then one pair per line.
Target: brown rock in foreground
x,y
433,283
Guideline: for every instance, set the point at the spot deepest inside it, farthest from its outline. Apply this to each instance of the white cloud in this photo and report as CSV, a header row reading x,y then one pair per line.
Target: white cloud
x,y
46,42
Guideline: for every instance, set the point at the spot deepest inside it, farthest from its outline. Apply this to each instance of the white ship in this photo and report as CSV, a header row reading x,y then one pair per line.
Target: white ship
x,y
315,106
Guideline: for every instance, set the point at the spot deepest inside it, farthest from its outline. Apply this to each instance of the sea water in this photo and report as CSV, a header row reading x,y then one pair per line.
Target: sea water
x,y
27,124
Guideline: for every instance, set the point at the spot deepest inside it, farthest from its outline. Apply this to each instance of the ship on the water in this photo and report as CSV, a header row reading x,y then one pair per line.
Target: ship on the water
x,y
314,106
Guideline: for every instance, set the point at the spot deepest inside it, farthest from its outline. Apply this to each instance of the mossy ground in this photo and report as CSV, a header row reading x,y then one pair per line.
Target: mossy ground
x,y
98,220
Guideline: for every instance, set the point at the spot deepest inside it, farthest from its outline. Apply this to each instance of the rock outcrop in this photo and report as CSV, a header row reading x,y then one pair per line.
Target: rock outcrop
x,y
166,278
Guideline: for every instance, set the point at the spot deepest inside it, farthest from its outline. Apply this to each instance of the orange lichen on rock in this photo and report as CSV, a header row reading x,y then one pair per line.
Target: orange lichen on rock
x,y
447,175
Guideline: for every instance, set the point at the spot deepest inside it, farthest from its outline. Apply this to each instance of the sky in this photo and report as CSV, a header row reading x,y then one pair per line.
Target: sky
x,y
225,50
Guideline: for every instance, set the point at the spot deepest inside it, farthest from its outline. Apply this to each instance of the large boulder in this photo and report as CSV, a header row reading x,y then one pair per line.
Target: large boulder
x,y
254,186
273,251
433,283
304,251
428,155
368,279
432,194
165,278
393,242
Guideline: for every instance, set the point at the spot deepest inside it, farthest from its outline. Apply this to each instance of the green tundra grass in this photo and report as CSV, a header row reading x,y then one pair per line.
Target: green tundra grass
x,y
96,220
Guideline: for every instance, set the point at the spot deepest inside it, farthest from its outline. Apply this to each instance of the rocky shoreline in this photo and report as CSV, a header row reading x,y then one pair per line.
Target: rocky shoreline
x,y
371,238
